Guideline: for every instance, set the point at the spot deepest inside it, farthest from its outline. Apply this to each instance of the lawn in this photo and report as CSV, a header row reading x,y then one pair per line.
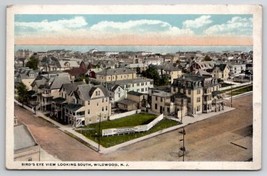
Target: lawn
x,y
133,120
225,84
241,90
234,89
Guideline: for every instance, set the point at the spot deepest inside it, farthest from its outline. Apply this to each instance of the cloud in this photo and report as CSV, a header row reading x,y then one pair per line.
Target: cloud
x,y
235,26
51,26
198,22
139,26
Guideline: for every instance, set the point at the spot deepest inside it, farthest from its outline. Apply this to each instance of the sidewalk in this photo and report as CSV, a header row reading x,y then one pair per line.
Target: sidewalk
x,y
69,129
186,121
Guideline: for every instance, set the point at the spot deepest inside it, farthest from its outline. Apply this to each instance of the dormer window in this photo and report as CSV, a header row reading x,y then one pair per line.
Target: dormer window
x,y
97,93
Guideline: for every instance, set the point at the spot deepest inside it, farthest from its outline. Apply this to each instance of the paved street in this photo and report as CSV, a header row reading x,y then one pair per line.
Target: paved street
x,y
225,137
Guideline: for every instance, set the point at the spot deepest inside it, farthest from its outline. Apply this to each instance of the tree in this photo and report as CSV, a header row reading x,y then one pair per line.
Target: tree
x,y
23,95
164,80
138,70
207,58
33,63
152,73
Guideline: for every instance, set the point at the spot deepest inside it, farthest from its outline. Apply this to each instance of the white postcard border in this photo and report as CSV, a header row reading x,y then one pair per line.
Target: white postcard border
x,y
256,10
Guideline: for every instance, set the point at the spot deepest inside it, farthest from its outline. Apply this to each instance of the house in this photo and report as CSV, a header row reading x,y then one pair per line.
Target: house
x,y
138,67
25,146
162,103
116,92
49,63
47,87
139,98
141,85
170,70
201,65
127,105
90,104
236,68
26,76
67,64
221,71
199,91
109,75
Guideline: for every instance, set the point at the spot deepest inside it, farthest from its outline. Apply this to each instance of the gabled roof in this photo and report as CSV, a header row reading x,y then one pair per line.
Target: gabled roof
x,y
69,87
83,90
56,82
220,66
71,63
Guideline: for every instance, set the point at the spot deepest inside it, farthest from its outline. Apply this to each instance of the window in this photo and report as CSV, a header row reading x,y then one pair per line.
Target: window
x,y
96,104
189,92
189,100
103,99
198,91
106,108
119,95
88,111
142,84
156,106
156,98
97,93
142,90
102,108
198,99
198,108
161,99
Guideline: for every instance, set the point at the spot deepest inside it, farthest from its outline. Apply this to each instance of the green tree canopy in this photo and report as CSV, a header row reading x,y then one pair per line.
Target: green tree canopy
x,y
207,58
152,73
33,63
23,95
164,80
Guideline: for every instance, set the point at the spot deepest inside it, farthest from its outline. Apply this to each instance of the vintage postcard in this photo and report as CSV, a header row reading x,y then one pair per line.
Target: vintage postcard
x,y
134,87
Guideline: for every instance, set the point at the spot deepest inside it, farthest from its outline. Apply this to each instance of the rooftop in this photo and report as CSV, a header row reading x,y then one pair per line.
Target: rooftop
x,y
23,138
161,93
117,71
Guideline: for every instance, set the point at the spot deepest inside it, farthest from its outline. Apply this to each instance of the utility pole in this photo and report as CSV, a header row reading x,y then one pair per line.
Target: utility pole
x,y
99,133
183,133
231,96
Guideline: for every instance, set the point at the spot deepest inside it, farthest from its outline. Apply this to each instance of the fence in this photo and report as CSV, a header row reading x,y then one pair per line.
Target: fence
x,y
24,106
118,116
139,128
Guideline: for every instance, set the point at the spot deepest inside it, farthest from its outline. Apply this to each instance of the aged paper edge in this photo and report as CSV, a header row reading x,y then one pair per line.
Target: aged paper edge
x,y
255,10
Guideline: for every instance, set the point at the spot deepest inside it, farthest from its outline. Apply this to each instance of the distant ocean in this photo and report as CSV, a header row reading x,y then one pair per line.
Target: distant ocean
x,y
154,49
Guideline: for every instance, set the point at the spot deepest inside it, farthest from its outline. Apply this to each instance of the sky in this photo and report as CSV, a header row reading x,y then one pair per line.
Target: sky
x,y
122,29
